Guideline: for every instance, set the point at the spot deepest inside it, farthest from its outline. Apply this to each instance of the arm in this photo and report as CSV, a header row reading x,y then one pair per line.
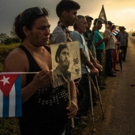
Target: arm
x,y
95,63
40,80
76,37
99,42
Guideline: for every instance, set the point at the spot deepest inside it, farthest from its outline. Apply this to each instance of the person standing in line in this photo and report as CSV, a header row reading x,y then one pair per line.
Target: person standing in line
x,y
123,39
77,35
89,38
44,108
115,51
66,11
99,44
110,46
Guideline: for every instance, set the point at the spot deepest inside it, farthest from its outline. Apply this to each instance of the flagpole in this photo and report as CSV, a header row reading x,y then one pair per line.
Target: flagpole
x,y
69,97
103,14
19,72
105,18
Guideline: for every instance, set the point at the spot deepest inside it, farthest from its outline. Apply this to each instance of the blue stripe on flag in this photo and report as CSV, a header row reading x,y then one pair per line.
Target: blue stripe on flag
x,y
115,32
18,108
5,106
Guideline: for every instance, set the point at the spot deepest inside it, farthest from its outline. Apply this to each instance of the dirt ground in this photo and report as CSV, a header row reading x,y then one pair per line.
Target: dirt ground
x,y
118,101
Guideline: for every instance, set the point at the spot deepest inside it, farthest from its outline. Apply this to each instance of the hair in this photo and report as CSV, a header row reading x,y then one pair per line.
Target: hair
x,y
60,48
78,21
113,27
66,5
27,19
96,21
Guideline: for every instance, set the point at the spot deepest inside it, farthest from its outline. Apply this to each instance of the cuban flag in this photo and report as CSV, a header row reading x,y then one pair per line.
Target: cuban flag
x,y
10,95
115,32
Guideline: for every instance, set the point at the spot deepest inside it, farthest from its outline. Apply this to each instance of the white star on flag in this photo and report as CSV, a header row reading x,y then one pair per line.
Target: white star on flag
x,y
5,80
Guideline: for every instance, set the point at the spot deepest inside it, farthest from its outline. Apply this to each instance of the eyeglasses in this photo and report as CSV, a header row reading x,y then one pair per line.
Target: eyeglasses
x,y
32,12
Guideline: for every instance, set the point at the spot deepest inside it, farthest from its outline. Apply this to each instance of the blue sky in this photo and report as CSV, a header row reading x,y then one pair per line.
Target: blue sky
x,y
120,12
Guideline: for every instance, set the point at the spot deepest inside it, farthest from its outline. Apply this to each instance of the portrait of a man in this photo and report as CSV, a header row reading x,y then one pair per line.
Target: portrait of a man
x,y
61,74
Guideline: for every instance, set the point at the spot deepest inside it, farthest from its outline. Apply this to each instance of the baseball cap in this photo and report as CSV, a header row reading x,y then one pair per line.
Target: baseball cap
x,y
88,17
109,23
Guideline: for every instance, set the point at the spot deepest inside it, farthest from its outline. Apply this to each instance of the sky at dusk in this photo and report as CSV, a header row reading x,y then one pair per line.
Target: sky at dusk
x,y
120,12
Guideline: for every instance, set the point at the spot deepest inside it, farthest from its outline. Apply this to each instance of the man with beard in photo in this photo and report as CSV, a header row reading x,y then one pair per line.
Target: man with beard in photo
x,y
61,75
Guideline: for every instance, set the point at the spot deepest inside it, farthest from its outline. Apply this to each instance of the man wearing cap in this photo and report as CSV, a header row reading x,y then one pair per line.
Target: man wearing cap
x,y
89,36
61,75
109,46
86,62
99,40
99,44
123,39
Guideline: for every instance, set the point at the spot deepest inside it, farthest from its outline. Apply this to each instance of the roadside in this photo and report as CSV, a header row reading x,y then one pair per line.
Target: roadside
x,y
118,101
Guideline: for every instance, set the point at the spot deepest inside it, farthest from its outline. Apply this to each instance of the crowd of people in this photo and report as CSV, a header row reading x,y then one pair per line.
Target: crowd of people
x,y
45,108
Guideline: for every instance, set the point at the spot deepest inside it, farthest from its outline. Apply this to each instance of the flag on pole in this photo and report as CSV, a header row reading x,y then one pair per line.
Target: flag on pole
x,y
102,15
115,32
10,95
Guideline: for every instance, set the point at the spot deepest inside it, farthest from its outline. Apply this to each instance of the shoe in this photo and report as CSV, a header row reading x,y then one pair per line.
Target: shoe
x,y
101,87
85,118
80,122
112,75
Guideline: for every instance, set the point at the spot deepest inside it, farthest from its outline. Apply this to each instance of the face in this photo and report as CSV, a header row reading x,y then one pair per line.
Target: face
x,y
40,32
99,26
71,17
82,25
63,59
89,22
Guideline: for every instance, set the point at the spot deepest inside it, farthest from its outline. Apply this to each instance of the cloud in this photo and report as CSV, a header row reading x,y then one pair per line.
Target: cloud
x,y
116,10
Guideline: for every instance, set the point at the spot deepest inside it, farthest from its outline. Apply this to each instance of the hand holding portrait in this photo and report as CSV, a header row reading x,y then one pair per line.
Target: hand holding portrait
x,y
42,79
73,108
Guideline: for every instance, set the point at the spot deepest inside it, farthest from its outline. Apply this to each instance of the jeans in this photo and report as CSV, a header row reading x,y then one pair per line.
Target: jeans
x,y
84,96
124,51
99,55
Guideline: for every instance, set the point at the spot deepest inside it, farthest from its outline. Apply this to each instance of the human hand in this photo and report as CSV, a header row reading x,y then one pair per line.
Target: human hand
x,y
73,108
42,79
118,43
94,71
106,38
99,66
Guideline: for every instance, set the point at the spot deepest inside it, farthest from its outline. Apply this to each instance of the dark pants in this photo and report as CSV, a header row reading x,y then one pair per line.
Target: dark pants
x,y
108,62
84,96
124,51
99,54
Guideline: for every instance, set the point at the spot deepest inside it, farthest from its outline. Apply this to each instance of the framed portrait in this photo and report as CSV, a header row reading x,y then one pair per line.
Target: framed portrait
x,y
66,63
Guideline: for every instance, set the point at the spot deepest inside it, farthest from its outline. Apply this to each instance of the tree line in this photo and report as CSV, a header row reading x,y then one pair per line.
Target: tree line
x,y
5,39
